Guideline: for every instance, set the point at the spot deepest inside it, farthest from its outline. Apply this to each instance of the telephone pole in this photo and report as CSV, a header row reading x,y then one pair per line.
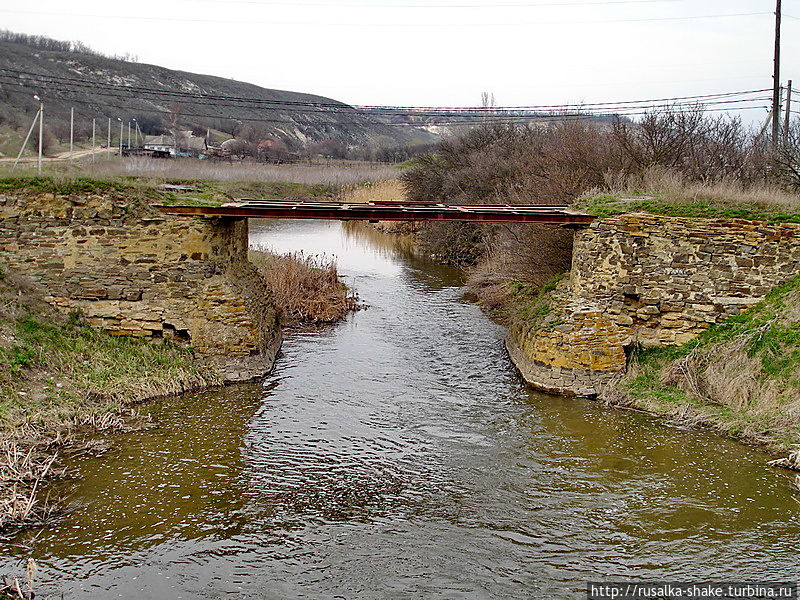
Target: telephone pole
x,y
788,116
41,133
776,81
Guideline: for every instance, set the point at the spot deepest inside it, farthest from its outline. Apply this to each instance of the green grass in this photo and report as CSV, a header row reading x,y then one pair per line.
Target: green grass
x,y
770,337
531,304
60,185
211,193
767,332
65,367
607,206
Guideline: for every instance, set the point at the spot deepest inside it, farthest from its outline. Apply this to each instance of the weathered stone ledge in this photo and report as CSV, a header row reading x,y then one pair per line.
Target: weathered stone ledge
x,y
132,271
649,280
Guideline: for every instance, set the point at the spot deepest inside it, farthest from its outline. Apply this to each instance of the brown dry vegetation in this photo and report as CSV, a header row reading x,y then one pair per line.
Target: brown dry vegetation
x,y
338,174
391,190
671,161
305,289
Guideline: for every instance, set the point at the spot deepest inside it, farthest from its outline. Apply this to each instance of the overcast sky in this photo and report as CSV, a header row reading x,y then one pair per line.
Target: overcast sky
x,y
442,52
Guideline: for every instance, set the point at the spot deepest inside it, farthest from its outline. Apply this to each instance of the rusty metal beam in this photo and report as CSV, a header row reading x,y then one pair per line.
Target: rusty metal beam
x,y
384,211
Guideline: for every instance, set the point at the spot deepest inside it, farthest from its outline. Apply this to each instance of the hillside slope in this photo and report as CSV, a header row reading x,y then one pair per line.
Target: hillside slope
x,y
96,87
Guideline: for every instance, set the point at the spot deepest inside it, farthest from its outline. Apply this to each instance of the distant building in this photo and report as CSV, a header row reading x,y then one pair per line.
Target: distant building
x,y
188,145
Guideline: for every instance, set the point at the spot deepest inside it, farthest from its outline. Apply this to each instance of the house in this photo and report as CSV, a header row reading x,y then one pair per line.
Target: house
x,y
160,145
164,145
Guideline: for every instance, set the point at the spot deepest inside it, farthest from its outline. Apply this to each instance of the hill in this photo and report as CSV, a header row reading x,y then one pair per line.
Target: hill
x,y
70,75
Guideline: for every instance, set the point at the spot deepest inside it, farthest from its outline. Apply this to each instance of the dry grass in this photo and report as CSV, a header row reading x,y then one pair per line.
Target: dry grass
x,y
672,186
13,588
391,190
305,289
335,175
23,469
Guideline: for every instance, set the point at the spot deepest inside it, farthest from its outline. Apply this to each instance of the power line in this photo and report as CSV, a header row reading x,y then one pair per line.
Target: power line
x,y
396,111
437,117
439,6
488,119
338,105
420,24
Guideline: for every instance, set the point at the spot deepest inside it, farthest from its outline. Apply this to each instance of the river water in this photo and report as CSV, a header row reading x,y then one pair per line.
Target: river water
x,y
399,455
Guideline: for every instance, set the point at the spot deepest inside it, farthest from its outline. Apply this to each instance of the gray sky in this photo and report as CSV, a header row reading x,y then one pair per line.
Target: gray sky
x,y
442,52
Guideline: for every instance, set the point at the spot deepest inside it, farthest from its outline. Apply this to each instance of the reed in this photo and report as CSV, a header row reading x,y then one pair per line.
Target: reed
x,y
305,288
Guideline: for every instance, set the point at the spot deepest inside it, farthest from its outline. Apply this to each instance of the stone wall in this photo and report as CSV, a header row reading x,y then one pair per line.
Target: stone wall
x,y
133,271
650,280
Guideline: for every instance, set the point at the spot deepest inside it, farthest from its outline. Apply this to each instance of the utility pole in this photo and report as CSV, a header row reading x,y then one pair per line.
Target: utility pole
x,y
788,116
94,124
27,137
129,136
71,129
120,136
776,81
108,143
41,132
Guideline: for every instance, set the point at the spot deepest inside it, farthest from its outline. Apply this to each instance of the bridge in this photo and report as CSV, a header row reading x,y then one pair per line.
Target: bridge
x,y
389,211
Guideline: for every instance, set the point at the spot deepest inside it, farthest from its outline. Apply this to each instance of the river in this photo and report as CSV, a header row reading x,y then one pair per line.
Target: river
x,y
399,455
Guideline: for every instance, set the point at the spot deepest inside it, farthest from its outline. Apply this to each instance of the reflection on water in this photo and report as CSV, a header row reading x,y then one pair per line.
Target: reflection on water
x,y
397,455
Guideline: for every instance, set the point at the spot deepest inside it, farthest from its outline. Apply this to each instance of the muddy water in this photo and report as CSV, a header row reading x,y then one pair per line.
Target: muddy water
x,y
398,455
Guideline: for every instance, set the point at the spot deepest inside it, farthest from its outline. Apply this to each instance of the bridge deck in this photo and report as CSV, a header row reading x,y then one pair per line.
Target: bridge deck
x,y
388,211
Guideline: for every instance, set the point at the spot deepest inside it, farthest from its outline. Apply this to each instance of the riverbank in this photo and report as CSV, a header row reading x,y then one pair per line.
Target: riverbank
x,y
60,379
684,316
740,377
104,304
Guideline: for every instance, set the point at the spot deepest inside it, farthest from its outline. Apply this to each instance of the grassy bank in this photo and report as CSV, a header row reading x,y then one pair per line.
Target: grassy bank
x,y
741,376
60,378
167,190
665,192
305,289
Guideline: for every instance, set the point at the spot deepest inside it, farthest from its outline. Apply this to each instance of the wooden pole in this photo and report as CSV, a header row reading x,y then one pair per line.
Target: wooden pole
x,y
776,80
41,133
788,116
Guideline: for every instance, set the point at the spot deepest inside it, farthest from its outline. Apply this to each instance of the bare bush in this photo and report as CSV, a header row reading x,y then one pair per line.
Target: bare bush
x,y
789,157
700,147
681,154
493,164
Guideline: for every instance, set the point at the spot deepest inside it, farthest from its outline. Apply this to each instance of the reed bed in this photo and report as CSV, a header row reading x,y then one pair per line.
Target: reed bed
x,y
23,469
305,288
12,588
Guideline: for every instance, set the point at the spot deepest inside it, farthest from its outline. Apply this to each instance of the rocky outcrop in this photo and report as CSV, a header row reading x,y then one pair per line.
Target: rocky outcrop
x,y
132,271
653,281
